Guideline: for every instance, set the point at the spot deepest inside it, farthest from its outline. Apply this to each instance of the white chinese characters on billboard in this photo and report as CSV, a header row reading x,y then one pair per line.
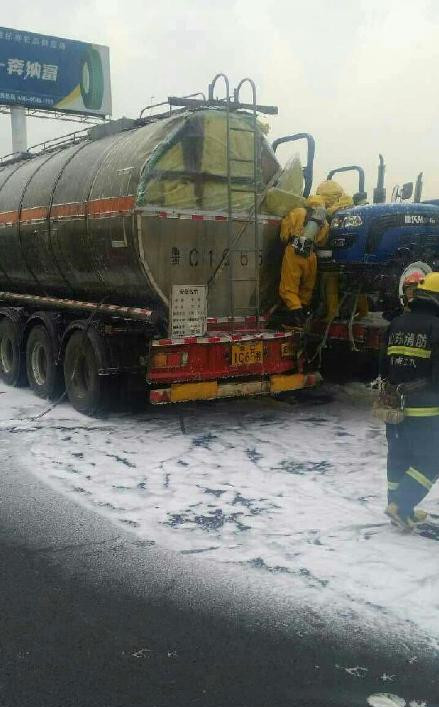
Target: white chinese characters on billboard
x,y
52,73
32,69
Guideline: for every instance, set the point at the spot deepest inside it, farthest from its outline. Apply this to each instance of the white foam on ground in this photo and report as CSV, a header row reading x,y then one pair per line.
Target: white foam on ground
x,y
294,489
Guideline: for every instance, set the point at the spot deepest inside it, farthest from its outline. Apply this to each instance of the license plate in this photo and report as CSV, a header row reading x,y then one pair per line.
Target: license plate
x,y
247,354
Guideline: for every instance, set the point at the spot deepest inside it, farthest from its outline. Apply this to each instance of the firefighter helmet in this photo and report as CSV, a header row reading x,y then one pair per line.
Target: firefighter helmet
x,y
409,285
428,289
410,278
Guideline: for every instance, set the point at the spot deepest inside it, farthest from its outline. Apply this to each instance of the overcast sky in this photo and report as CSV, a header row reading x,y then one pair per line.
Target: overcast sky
x,y
360,75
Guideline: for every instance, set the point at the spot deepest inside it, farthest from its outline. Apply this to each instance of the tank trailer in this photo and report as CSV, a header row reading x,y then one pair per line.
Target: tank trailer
x,y
137,253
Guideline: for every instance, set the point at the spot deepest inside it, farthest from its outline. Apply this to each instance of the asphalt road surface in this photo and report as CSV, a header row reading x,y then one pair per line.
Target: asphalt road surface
x,y
93,617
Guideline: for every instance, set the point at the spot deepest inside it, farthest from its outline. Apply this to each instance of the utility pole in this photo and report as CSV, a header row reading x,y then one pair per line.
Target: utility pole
x,y
18,129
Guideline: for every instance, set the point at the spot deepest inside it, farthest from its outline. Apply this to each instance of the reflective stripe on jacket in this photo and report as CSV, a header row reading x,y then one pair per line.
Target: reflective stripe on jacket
x,y
421,412
412,353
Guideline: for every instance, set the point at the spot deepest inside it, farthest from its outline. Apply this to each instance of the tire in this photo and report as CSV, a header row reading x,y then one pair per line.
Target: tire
x,y
87,391
92,79
12,368
44,376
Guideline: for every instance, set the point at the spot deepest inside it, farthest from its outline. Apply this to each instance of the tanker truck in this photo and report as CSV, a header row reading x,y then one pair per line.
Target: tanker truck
x,y
140,251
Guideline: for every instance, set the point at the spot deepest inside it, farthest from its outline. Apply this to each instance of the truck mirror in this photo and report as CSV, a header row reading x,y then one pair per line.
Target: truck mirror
x,y
406,190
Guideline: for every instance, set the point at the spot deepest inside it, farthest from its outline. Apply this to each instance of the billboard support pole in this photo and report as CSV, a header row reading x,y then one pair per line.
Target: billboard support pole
x,y
18,129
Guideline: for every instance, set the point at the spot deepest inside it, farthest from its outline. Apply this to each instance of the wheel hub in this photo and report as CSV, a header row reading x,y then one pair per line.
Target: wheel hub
x,y
38,361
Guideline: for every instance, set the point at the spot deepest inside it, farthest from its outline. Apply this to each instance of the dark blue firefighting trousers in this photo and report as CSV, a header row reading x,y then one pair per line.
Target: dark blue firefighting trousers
x,y
412,461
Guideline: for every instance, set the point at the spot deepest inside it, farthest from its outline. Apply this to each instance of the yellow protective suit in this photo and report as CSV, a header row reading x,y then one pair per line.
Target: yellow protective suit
x,y
335,199
344,202
299,273
298,279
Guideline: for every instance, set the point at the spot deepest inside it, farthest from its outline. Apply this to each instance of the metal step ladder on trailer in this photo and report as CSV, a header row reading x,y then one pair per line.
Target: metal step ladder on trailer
x,y
250,187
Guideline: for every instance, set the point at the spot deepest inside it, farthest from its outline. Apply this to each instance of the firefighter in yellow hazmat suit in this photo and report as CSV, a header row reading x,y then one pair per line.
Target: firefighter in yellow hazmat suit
x,y
303,229
335,199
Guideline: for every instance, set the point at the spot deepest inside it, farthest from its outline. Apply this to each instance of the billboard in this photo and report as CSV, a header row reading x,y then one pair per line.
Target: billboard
x,y
52,73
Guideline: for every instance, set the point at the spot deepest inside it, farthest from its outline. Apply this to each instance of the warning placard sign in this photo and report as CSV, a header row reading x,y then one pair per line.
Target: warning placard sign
x,y
188,310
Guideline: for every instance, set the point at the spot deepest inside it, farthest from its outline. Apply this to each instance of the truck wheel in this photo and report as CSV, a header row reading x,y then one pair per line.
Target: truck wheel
x,y
86,389
12,369
92,79
44,376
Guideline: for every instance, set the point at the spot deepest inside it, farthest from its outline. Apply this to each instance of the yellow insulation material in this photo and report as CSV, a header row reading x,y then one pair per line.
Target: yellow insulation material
x,y
171,192
172,160
287,194
178,193
215,198
214,158
207,155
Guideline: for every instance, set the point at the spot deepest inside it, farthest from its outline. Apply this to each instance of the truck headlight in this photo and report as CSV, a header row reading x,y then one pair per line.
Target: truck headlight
x,y
336,222
352,221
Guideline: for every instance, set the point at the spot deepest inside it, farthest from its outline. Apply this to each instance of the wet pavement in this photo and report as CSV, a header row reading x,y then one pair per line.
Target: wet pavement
x,y
94,616
293,487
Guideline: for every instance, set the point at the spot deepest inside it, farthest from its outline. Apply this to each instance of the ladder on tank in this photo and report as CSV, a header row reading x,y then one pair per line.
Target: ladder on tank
x,y
249,187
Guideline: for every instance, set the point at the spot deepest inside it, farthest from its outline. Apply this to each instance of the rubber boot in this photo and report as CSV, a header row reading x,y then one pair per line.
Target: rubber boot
x,y
403,522
420,516
410,522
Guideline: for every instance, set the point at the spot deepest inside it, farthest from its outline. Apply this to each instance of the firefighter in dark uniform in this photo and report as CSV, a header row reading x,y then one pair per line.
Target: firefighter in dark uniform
x,y
410,365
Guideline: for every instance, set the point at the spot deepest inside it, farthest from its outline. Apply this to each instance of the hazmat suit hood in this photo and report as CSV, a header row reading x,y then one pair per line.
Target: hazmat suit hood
x,y
334,196
330,191
344,202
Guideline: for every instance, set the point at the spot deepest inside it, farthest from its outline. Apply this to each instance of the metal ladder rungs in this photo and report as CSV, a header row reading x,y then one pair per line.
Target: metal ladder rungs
x,y
246,184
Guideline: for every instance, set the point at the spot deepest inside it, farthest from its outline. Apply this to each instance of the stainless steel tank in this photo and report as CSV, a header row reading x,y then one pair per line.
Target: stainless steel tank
x,y
126,216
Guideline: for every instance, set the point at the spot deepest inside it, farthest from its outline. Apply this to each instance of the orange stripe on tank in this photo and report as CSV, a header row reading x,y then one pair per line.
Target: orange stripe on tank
x,y
8,217
35,212
114,204
95,208
68,210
